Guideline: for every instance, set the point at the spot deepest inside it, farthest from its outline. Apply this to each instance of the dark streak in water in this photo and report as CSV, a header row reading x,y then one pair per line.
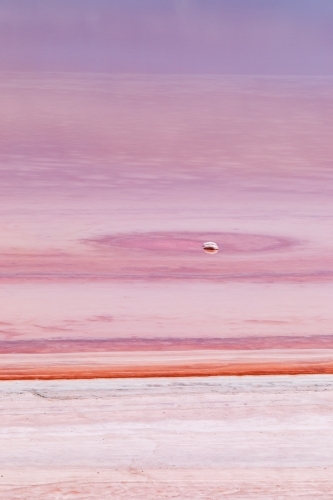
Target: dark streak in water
x,y
164,344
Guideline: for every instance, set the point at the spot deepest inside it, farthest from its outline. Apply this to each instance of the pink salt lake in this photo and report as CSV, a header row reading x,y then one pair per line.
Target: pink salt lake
x,y
109,187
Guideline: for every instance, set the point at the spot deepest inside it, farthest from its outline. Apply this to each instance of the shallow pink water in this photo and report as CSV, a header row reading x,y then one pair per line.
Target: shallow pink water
x,y
110,185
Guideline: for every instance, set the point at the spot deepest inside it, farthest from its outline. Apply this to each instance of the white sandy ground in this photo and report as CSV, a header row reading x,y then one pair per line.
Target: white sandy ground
x,y
266,437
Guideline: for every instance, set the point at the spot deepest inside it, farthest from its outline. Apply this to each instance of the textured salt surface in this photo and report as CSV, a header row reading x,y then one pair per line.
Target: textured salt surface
x,y
200,438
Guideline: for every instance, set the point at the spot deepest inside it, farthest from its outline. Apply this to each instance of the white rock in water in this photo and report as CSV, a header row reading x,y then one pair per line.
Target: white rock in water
x,y
210,247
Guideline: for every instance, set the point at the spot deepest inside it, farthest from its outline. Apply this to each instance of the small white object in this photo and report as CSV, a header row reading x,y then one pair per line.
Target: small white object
x,y
210,247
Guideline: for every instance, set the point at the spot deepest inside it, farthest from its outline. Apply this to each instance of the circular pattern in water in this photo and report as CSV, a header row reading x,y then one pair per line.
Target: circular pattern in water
x,y
177,242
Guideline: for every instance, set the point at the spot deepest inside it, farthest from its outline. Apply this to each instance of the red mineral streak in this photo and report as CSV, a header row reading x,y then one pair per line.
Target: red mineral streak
x,y
201,370
155,364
